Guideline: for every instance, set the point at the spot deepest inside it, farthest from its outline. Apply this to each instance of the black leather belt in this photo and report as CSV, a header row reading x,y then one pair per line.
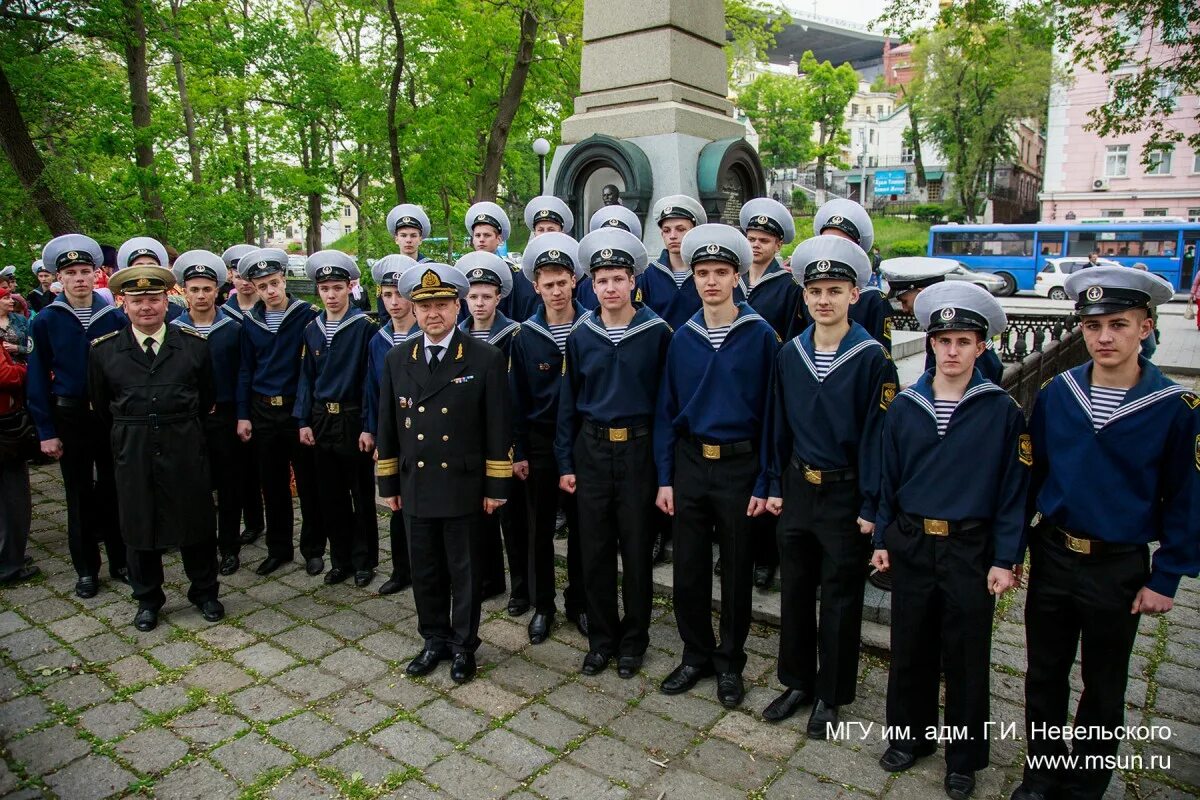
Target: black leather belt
x,y
278,401
154,420
335,408
715,452
70,402
819,476
615,434
940,527
1089,547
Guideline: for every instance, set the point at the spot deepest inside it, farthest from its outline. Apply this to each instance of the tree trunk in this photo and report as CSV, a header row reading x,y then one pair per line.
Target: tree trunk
x,y
28,165
313,237
506,109
137,71
189,116
393,127
360,204
918,161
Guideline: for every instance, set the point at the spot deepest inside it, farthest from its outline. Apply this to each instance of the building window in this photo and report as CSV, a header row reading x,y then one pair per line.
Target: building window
x,y
1154,212
1160,163
1196,163
291,234
879,110
345,211
871,136
934,190
1193,215
1116,161
1112,213
854,109
906,155
348,229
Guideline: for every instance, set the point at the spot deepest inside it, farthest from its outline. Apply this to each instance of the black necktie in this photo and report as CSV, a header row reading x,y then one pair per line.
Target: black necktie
x,y
435,356
149,342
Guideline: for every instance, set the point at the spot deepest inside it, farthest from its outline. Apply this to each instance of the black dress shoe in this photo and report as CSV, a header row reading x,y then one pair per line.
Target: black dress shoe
x,y
594,663
560,524
786,704
23,574
212,610
717,567
335,575
581,623
881,580
462,669
659,550
896,760
517,606
822,716
230,564
315,565
146,619
684,677
424,663
731,690
764,577
394,585
249,537
86,587
628,666
959,785
269,565
1023,792
120,575
363,576
28,561
539,627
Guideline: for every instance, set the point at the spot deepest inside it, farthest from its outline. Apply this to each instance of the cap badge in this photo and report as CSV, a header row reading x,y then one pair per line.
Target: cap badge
x,y
326,270
824,266
606,253
430,279
407,220
545,212
1094,293
612,223
142,283
713,248
477,273
553,254
836,219
72,255
947,314
761,219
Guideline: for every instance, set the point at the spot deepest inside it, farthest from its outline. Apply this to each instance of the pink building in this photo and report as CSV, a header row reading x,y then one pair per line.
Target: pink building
x,y
1089,176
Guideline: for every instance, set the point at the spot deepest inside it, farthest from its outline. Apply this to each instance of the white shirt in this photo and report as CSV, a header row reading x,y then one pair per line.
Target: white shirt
x,y
444,344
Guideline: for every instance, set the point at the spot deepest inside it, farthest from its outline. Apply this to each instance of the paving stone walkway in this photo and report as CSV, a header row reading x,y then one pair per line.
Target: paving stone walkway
x,y
300,693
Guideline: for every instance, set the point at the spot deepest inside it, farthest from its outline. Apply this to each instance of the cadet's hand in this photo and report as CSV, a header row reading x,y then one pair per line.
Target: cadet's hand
x,y
243,429
865,528
490,505
666,500
393,503
521,469
1149,601
757,507
775,505
366,442
52,448
567,483
1000,580
306,436
880,561
10,347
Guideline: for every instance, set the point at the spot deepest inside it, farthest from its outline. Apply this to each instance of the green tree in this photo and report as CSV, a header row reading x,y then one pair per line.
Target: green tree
x,y
826,91
776,104
751,27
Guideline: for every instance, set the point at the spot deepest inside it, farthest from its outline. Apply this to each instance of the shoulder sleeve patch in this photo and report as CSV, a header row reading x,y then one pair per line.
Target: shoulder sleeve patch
x,y
1025,450
190,331
315,307
1047,382
104,338
1192,400
887,395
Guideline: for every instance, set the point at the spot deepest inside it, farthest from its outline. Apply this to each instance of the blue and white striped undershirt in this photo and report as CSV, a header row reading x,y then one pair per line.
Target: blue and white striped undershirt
x,y
716,336
944,409
680,277
615,335
202,329
823,359
397,337
481,334
1104,402
559,332
84,315
274,319
331,326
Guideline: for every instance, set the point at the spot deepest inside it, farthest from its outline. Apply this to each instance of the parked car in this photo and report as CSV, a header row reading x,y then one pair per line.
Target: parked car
x,y
295,267
993,283
1049,282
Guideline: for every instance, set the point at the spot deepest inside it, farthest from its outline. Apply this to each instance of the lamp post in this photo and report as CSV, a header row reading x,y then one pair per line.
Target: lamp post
x,y
541,147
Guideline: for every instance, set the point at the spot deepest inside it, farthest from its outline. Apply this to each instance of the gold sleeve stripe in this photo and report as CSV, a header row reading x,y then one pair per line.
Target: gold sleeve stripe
x,y
498,469
387,466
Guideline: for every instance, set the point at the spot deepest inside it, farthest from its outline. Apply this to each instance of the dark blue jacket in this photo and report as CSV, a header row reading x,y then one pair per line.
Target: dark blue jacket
x,y
988,364
271,361
380,311
609,384
232,308
381,344
832,424
522,301
872,311
774,297
224,349
924,475
585,295
1136,480
535,377
503,331
717,396
675,305
59,358
334,372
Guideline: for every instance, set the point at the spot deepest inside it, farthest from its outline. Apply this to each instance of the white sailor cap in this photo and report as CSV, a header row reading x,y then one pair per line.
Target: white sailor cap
x,y
140,246
1111,290
548,207
485,213
484,267
200,264
679,206
234,254
40,266
551,249
614,248
848,217
71,249
408,215
331,265
769,216
262,262
914,272
716,242
9,272
830,258
959,306
430,280
388,270
616,216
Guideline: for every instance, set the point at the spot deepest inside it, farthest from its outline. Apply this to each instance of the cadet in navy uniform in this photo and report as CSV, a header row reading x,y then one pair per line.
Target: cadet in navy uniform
x,y
614,216
547,214
56,393
614,360
41,296
950,537
551,263
1116,465
489,227
831,387
329,408
907,277
202,274
712,406
408,225
143,251
444,437
153,384
239,304
272,342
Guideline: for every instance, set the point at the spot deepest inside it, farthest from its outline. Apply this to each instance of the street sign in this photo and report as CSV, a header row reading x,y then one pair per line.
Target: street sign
x,y
890,181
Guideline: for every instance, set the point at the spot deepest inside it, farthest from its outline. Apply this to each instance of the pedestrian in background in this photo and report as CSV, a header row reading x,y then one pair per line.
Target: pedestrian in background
x,y
17,443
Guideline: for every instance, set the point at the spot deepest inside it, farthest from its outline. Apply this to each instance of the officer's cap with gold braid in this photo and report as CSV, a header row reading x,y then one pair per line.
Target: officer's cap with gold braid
x,y
331,265
142,279
485,213
551,250
1111,290
388,270
612,248
262,263
679,206
200,264
830,258
959,306
408,215
716,242
548,207
140,246
849,218
914,272
769,216
616,217
430,280
233,254
484,267
70,250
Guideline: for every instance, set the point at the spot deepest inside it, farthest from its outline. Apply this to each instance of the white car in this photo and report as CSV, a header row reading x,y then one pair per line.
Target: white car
x,y
295,267
1049,282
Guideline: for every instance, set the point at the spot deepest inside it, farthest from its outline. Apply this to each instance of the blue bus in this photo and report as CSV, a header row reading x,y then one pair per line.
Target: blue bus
x,y
1018,252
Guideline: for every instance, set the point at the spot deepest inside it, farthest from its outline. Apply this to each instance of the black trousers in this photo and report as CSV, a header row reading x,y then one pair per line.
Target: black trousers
x,y
713,494
278,449
615,490
346,490
1078,602
764,540
398,535
251,485
146,574
220,431
941,620
444,553
820,548
544,498
87,470
506,532
16,515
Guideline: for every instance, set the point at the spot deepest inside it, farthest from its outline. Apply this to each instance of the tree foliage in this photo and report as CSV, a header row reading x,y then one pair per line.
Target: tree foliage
x,y
776,104
826,90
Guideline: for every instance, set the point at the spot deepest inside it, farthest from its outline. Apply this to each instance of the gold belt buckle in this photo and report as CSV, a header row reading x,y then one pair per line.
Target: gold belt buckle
x,y
1077,545
275,400
711,451
937,527
813,476
333,408
618,434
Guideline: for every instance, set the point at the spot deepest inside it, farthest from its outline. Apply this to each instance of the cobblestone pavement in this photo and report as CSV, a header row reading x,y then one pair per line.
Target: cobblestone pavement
x,y
300,693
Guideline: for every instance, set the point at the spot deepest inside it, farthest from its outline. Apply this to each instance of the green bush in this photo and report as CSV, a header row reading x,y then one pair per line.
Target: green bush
x,y
929,212
906,247
799,200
